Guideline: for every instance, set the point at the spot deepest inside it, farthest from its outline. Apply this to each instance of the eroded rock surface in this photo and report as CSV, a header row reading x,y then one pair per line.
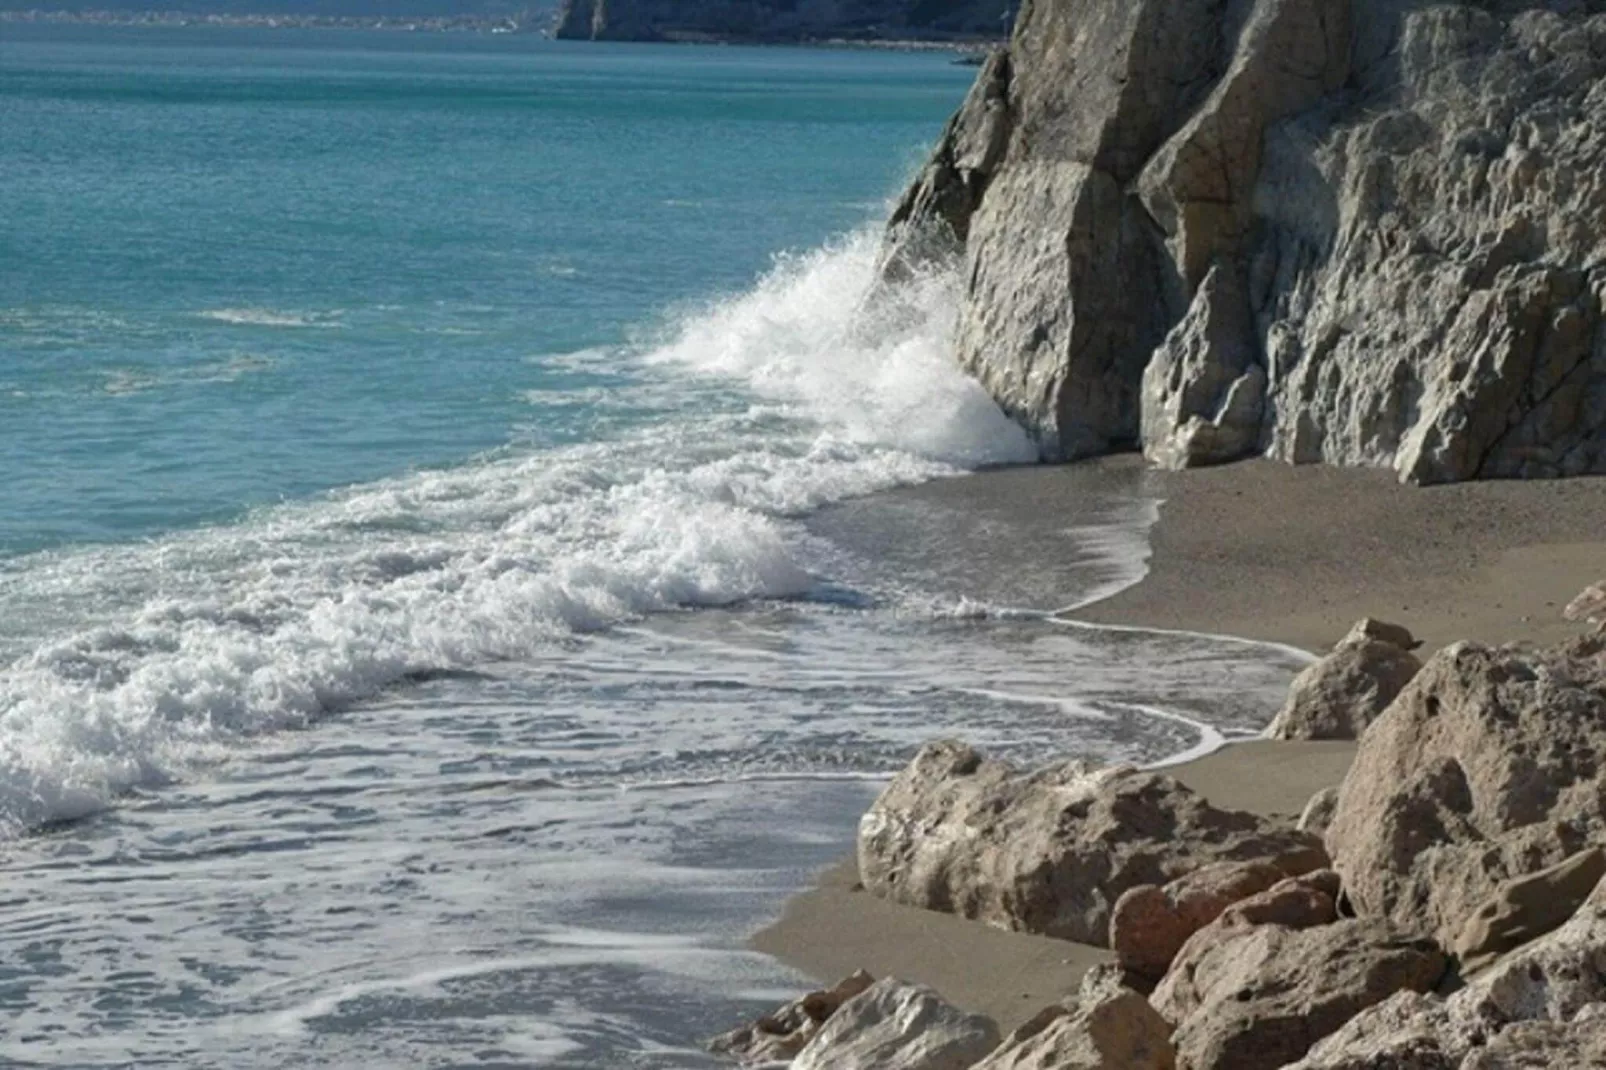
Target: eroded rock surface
x,y
1541,1006
1527,907
1366,232
1050,851
1486,768
1277,972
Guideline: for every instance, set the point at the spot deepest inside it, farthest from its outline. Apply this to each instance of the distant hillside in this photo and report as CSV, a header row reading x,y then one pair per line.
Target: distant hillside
x,y
783,20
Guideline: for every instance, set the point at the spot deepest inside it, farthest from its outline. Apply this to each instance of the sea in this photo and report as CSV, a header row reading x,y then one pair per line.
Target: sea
x,y
473,540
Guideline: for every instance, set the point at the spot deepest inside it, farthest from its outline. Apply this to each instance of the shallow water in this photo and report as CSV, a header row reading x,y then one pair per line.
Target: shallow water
x,y
449,594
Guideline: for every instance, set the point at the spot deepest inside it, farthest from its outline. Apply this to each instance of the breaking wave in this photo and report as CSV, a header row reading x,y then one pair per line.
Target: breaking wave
x,y
129,665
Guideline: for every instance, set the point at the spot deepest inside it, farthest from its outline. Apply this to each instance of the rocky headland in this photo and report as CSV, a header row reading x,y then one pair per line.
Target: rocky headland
x,y
1358,232
777,21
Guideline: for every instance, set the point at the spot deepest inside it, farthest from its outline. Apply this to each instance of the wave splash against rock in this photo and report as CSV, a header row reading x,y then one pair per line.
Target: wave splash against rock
x,y
1361,232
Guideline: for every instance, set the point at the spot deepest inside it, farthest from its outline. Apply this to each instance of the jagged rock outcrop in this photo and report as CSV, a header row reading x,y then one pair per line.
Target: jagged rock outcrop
x,y
776,20
951,186
1278,972
1117,1030
1204,389
1366,232
1486,768
1050,851
785,1031
1543,1005
893,1025
1338,696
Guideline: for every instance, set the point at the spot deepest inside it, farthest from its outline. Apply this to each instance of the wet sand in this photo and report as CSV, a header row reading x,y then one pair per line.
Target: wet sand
x,y
1260,550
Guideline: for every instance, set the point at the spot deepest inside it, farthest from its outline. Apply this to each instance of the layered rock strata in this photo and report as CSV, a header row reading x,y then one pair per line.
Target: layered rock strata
x,y
1363,232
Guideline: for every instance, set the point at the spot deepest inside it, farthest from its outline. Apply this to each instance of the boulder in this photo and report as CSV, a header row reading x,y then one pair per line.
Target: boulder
x,y
1338,696
1404,1032
1382,630
1576,1045
1589,606
1485,769
1119,1031
1150,923
1318,812
781,1034
1256,997
1543,1005
893,1025
1050,851
1297,903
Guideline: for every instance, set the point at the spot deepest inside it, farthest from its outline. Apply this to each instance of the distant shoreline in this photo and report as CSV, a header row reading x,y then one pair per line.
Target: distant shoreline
x,y
483,24
177,19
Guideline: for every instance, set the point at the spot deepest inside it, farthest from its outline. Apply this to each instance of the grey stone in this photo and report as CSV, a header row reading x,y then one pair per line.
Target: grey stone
x,y
1119,1031
1540,1007
1318,812
1204,387
1363,232
781,1034
1050,851
1485,769
1338,696
893,1025
1278,971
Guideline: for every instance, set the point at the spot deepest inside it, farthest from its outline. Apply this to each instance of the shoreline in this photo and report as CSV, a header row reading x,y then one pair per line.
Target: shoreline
x,y
1260,552
974,48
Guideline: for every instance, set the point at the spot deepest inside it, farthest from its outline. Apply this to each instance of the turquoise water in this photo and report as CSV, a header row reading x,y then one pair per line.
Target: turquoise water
x,y
247,267
449,589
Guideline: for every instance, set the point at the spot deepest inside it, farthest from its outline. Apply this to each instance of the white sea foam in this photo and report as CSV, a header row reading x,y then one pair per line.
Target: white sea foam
x,y
880,371
268,317
127,665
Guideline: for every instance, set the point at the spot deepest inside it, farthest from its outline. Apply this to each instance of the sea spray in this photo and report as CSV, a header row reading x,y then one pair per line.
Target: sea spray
x,y
878,372
130,664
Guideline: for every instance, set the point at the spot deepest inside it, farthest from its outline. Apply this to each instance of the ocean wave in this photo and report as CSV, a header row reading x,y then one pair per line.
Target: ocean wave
x,y
873,362
267,317
131,665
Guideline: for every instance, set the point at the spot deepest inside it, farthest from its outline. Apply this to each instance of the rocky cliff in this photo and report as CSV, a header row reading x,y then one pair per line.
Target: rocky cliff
x,y
1363,232
782,20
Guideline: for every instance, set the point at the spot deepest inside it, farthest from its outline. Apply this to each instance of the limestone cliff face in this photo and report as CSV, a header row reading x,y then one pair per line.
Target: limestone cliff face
x,y
1367,232
780,20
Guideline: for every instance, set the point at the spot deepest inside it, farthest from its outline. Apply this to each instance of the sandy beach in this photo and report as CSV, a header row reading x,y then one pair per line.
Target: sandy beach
x,y
1260,550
